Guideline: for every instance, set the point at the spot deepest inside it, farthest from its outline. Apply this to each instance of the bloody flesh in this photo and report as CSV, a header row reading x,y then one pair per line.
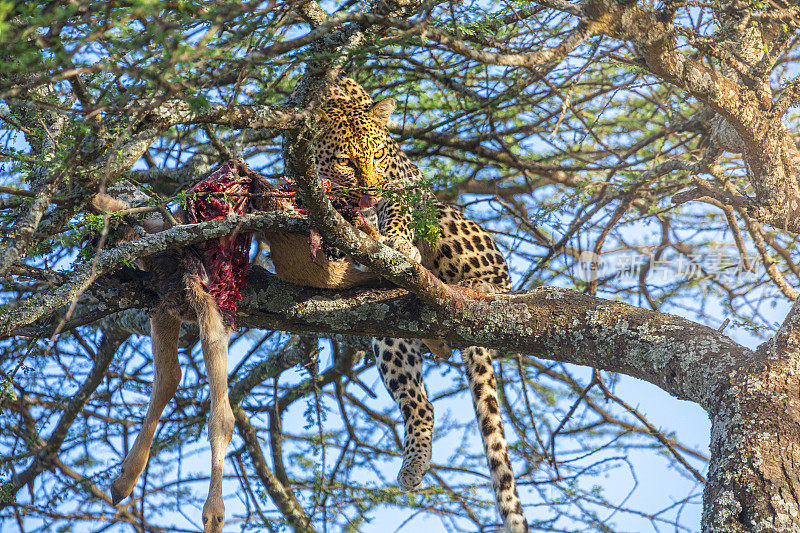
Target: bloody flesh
x,y
221,263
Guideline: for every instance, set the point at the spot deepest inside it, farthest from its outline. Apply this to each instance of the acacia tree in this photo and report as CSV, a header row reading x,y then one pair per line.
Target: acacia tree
x,y
604,142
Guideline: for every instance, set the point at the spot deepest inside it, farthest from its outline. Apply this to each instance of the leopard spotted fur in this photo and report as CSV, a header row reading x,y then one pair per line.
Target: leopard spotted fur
x,y
355,151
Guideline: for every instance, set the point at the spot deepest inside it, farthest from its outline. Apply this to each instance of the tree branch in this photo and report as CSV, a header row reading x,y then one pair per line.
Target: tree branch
x,y
771,155
31,309
174,112
686,359
282,496
47,453
423,30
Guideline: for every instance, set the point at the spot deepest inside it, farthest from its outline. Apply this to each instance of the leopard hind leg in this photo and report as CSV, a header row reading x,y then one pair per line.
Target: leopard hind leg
x,y
399,363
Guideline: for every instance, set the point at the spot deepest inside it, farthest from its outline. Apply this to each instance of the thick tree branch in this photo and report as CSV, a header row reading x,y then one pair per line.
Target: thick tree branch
x,y
47,179
311,12
772,157
174,112
686,359
753,482
31,309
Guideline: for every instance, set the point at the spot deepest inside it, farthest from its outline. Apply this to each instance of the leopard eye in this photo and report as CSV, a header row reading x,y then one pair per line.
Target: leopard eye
x,y
380,153
344,161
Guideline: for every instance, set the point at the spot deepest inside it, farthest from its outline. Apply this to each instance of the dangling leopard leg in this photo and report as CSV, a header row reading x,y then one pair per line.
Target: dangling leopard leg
x,y
399,362
482,383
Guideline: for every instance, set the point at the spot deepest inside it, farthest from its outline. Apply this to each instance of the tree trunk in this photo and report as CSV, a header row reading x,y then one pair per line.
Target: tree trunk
x,y
754,481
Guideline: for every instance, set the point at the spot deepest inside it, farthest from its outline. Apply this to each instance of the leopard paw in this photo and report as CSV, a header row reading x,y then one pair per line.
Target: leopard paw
x,y
403,246
412,472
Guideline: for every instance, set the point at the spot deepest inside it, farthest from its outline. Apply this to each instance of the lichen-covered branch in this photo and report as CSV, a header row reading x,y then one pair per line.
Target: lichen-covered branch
x,y
684,358
46,180
241,116
772,156
31,309
753,481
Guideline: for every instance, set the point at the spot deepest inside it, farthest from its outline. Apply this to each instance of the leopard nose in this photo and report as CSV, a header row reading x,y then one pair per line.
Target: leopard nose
x,y
368,175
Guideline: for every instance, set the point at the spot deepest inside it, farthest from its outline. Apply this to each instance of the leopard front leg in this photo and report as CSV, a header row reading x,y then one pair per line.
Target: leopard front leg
x,y
396,231
403,246
399,362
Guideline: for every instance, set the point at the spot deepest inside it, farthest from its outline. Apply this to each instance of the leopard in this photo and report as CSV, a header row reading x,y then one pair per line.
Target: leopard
x,y
355,151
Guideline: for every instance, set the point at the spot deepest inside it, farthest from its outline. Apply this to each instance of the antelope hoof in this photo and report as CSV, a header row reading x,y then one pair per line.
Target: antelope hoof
x,y
439,349
118,489
116,496
132,467
213,519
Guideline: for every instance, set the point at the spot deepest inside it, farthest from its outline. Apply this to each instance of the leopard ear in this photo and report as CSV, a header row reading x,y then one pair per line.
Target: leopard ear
x,y
382,110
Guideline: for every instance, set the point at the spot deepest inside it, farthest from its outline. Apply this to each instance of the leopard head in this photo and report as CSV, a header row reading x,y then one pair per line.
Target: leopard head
x,y
351,149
